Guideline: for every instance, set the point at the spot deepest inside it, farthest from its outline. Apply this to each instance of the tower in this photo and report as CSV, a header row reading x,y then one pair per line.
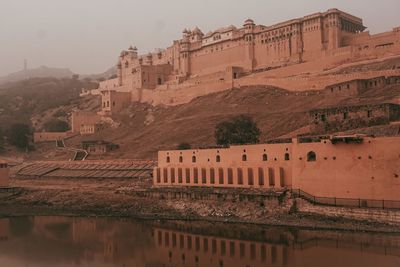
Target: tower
x,y
184,53
249,43
334,32
25,64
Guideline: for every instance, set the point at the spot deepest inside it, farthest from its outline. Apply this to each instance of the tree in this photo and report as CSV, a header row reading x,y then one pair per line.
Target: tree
x,y
239,130
56,125
184,146
19,135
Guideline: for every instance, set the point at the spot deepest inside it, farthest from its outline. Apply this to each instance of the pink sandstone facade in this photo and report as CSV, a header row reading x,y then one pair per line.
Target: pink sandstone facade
x,y
84,122
199,63
358,167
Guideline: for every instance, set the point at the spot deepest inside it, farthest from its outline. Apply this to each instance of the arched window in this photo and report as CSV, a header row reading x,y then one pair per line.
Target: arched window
x,y
244,157
311,156
194,159
287,157
218,158
265,157
180,159
168,159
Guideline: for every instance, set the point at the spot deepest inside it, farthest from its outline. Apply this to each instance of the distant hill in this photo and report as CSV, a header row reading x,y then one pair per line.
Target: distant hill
x,y
47,72
101,76
41,72
21,100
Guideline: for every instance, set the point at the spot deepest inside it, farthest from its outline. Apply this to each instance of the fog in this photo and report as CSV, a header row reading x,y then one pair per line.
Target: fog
x,y
87,35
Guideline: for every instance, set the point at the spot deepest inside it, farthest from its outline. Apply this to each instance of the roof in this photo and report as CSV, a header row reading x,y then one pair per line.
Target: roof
x,y
248,21
221,30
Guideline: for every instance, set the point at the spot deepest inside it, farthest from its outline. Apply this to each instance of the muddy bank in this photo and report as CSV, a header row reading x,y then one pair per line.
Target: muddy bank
x,y
120,198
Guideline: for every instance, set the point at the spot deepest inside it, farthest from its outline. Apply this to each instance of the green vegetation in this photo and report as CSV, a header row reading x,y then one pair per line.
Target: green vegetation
x,y
56,125
19,135
184,146
19,100
239,130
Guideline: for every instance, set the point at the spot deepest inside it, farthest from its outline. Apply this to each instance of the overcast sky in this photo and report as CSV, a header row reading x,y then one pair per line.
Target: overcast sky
x,y
87,35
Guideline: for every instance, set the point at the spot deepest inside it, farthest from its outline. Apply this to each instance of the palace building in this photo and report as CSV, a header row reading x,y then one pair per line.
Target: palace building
x,y
201,63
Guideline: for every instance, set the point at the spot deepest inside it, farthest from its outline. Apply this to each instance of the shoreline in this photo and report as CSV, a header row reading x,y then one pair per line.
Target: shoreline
x,y
127,199
298,221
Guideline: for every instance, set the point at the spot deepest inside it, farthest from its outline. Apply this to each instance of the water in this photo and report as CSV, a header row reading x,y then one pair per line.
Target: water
x,y
61,241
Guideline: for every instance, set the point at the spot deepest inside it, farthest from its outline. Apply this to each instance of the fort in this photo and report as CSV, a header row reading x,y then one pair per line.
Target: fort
x,y
198,63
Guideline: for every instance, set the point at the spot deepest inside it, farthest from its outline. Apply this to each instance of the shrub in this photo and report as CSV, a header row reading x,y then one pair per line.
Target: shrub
x,y
184,146
19,135
239,130
56,125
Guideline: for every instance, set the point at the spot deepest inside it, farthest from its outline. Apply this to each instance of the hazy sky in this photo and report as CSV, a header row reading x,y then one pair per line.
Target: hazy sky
x,y
87,35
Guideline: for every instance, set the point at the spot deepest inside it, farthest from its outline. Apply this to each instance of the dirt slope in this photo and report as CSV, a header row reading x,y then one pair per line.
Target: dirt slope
x,y
145,129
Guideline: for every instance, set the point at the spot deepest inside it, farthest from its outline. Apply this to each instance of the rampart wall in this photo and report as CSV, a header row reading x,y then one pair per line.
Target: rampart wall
x,y
347,168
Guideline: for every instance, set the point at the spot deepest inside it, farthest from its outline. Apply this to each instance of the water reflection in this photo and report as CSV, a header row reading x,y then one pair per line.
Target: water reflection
x,y
61,241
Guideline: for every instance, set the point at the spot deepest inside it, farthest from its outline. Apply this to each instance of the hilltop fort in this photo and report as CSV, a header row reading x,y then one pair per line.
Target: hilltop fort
x,y
199,64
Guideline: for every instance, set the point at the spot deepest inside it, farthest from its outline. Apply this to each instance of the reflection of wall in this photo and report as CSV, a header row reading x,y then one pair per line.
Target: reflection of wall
x,y
4,229
304,249
183,249
109,242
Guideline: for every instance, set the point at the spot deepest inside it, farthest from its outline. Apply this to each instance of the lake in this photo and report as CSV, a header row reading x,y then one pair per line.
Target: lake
x,y
65,241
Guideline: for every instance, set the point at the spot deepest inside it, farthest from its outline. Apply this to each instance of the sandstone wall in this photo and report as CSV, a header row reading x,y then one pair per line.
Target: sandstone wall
x,y
361,214
344,170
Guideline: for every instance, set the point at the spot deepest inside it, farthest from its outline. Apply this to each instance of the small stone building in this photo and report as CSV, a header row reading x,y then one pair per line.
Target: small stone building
x,y
83,119
98,147
4,174
358,86
114,101
334,119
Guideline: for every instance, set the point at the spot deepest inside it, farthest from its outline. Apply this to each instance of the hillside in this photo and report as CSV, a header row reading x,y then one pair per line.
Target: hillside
x,y
20,101
145,129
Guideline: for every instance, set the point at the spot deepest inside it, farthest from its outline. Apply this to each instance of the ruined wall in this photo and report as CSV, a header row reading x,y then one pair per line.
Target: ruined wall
x,y
351,117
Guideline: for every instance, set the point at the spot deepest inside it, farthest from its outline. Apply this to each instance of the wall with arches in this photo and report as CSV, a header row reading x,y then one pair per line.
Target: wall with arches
x,y
367,169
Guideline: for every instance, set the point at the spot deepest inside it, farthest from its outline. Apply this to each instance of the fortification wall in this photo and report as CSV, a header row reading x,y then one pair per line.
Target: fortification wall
x,y
367,170
51,136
